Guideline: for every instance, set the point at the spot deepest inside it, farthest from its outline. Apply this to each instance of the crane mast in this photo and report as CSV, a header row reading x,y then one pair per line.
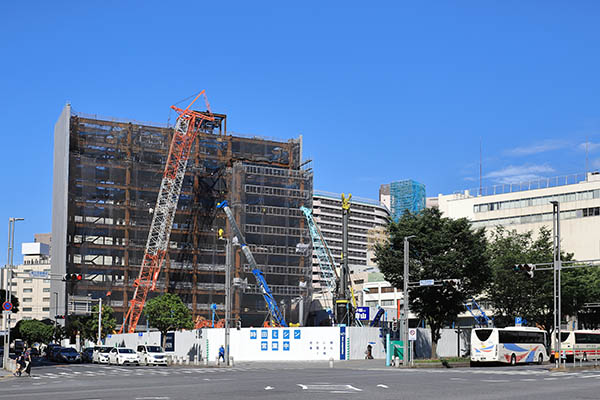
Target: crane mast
x,y
188,124
275,314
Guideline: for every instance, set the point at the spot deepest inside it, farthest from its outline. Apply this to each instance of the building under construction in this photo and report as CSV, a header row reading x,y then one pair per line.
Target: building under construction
x,y
107,174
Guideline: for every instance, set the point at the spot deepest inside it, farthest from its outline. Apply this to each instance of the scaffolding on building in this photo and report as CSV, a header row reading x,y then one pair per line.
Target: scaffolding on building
x,y
406,195
115,172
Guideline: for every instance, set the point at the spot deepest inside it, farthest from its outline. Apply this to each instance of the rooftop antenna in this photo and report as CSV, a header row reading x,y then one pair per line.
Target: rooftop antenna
x,y
480,168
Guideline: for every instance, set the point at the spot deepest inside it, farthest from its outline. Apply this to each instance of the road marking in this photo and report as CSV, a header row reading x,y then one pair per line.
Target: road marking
x,y
550,379
269,388
152,398
528,380
590,376
330,388
495,380
383,386
457,379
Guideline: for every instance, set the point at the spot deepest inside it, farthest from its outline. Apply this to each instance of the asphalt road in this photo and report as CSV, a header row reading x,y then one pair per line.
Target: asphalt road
x,y
299,381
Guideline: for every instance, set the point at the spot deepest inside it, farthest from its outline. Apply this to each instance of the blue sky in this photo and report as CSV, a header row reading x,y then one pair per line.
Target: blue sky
x,y
380,93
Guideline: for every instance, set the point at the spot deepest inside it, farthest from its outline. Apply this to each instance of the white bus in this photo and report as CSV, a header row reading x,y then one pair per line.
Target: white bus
x,y
511,345
579,345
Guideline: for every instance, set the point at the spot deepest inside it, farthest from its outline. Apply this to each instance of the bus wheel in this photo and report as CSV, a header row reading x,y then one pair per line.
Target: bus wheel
x,y
513,360
585,357
540,359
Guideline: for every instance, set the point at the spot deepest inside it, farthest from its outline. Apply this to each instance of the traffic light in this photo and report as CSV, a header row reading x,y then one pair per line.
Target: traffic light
x,y
394,325
72,277
59,317
529,268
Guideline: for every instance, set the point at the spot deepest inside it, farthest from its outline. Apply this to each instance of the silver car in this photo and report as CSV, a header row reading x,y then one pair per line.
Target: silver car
x,y
122,356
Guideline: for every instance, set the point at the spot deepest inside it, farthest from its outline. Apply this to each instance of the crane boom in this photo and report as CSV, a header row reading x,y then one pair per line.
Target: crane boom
x,y
326,262
188,124
274,311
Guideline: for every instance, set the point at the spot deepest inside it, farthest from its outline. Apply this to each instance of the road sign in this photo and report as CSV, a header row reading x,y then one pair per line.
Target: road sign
x,y
362,313
518,321
39,274
7,306
412,334
426,282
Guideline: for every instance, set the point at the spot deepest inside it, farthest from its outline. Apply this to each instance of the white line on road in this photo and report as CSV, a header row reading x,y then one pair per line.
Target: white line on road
x,y
269,388
383,386
152,398
495,380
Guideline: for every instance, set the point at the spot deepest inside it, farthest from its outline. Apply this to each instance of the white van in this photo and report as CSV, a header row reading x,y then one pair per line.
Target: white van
x,y
151,355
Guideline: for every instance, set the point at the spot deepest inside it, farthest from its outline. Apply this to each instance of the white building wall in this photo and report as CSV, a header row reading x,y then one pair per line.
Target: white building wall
x,y
529,210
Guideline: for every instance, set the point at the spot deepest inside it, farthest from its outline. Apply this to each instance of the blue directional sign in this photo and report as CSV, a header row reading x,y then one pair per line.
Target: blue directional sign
x,y
264,346
296,333
286,346
275,334
426,282
274,346
362,313
253,334
286,334
264,334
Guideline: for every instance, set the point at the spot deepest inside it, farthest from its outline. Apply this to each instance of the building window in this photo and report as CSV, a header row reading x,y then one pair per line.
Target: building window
x,y
387,302
27,290
27,299
387,290
371,303
46,290
27,280
46,309
46,299
27,309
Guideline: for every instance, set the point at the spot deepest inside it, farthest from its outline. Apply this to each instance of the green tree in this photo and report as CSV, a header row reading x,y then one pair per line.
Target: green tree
x,y
442,248
108,323
34,331
167,312
515,294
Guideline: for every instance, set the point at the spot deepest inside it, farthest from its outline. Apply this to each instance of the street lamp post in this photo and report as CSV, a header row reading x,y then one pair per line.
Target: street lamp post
x,y
556,264
11,252
406,300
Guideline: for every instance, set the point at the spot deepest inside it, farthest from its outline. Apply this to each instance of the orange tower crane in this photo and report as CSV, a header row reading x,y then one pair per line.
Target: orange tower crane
x,y
188,124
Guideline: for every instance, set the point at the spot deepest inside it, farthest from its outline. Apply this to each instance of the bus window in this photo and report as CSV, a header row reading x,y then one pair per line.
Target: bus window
x,y
483,334
564,336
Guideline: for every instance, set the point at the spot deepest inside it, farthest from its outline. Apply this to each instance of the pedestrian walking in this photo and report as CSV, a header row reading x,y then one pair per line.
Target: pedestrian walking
x,y
28,362
20,365
222,353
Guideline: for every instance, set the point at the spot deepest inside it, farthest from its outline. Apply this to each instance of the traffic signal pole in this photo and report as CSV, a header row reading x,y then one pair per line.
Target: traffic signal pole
x,y
556,267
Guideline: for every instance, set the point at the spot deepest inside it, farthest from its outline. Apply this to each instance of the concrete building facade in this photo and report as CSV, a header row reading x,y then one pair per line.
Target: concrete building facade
x,y
366,221
526,207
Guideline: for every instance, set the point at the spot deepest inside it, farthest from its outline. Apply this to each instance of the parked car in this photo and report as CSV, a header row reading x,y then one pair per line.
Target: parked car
x,y
48,349
54,353
87,354
151,355
100,355
123,355
68,354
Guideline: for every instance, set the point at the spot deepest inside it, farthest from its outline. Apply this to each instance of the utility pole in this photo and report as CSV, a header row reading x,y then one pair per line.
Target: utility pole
x,y
406,302
556,266
228,259
100,321
11,252
343,305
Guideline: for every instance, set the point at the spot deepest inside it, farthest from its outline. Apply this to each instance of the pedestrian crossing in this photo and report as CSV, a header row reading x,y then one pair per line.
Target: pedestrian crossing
x,y
103,371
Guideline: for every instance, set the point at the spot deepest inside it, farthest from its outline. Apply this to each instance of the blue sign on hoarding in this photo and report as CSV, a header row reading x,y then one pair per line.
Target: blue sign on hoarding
x,y
274,346
286,346
264,346
253,334
296,333
264,334
275,334
342,342
286,334
362,313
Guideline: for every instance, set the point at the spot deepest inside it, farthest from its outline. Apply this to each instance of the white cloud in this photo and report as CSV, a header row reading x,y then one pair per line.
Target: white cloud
x,y
535,148
590,146
515,170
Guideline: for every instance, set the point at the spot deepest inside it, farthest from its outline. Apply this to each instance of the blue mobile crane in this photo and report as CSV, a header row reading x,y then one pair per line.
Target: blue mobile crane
x,y
275,315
